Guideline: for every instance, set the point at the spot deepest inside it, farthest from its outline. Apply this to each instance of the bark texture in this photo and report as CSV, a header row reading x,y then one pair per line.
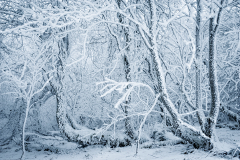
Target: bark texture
x,y
215,98
62,120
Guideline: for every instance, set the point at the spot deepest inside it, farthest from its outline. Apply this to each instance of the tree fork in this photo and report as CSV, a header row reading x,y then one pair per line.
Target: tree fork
x,y
181,129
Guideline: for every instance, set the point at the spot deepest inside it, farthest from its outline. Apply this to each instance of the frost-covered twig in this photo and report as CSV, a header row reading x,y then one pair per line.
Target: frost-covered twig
x,y
121,86
143,121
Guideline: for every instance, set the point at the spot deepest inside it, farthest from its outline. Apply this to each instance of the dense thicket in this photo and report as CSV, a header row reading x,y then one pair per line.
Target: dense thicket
x,y
116,67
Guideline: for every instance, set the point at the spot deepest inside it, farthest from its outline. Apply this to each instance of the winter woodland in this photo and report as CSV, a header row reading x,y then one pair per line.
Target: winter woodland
x,y
119,79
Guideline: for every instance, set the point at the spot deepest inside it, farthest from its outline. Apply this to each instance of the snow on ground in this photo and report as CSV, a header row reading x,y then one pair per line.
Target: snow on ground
x,y
229,139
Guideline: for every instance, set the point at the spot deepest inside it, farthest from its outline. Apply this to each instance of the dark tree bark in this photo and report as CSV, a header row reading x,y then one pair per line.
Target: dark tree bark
x,y
215,99
127,69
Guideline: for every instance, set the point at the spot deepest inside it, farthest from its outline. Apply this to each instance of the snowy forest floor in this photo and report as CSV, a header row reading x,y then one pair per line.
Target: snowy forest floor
x,y
228,140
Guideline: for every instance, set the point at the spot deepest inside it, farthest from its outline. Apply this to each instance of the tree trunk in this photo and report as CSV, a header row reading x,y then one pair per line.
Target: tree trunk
x,y
181,129
63,123
61,115
62,120
23,129
198,62
128,127
215,99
